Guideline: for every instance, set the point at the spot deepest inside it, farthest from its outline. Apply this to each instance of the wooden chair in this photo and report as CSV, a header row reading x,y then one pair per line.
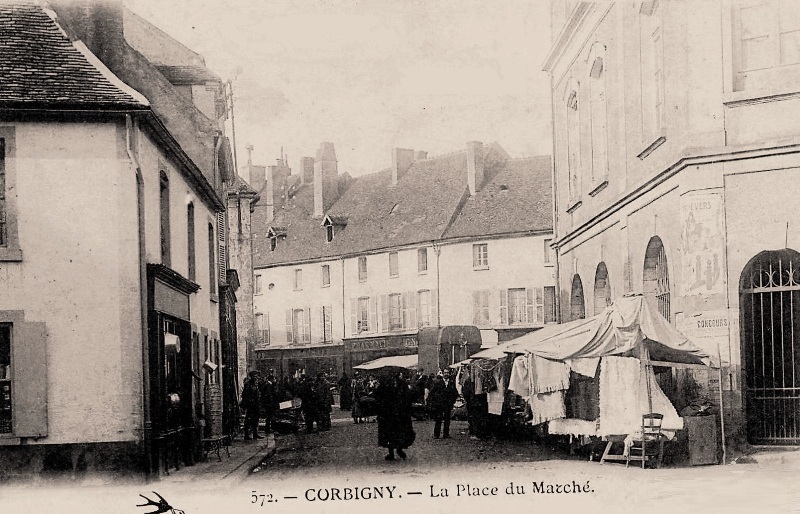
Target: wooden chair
x,y
651,444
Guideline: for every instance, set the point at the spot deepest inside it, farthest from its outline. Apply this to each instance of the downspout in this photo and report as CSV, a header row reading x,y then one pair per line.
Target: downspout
x,y
146,421
344,317
437,250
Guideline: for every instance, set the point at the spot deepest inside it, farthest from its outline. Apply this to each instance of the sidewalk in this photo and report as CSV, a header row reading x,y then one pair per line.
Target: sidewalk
x,y
244,455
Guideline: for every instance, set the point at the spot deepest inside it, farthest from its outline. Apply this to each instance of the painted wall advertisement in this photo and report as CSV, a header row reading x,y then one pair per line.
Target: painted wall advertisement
x,y
702,244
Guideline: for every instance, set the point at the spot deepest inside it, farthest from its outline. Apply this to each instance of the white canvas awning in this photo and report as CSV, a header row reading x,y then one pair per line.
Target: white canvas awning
x,y
398,361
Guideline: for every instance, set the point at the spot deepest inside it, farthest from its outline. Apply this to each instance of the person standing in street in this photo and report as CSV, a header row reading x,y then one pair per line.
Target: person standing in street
x,y
308,399
324,399
345,392
269,400
395,428
251,403
441,399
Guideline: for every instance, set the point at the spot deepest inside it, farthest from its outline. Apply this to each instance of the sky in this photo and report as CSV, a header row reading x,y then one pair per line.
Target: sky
x,y
372,75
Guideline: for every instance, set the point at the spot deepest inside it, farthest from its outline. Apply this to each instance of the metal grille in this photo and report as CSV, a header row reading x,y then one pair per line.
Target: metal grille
x,y
770,325
662,285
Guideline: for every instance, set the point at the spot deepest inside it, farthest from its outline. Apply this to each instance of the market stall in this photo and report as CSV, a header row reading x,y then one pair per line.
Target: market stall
x,y
406,362
609,359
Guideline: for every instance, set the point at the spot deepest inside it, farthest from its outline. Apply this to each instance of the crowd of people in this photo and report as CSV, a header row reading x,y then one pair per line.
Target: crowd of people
x,y
391,398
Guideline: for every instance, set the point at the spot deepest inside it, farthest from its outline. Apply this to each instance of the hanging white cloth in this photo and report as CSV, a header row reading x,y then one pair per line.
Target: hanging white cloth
x,y
547,375
585,367
624,398
520,379
547,406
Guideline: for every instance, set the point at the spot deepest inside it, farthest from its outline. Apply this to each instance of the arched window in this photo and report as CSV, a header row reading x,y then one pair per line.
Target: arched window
x,y
656,276
164,216
577,306
192,264
573,138
602,289
769,314
598,112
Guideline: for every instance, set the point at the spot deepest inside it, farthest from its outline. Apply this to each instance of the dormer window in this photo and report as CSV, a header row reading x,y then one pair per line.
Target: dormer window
x,y
333,225
274,233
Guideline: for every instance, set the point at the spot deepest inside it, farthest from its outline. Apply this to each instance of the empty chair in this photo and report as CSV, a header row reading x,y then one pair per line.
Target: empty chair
x,y
651,443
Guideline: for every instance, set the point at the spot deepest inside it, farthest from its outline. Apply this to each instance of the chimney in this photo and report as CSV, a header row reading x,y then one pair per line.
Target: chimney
x,y
421,155
99,24
474,166
307,170
269,193
402,159
326,178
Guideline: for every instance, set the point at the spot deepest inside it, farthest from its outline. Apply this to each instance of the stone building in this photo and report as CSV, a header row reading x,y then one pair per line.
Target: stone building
x,y
675,150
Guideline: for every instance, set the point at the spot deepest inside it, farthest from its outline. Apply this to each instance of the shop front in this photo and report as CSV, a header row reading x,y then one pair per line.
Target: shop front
x,y
360,350
291,361
171,438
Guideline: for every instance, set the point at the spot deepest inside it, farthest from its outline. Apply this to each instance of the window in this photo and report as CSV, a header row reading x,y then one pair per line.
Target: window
x,y
9,245
6,404
422,260
164,213
393,265
222,246
573,139
326,323
257,285
480,308
326,275
517,306
548,251
480,256
190,241
395,312
298,279
652,48
597,95
424,308
362,269
273,243
301,330
362,315
549,304
329,233
766,36
262,328
212,261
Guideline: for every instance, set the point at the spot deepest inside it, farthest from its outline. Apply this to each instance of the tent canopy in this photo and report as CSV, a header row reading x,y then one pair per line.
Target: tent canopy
x,y
399,361
622,329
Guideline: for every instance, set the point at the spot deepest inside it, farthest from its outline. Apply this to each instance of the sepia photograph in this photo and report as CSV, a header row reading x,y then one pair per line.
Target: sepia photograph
x,y
394,256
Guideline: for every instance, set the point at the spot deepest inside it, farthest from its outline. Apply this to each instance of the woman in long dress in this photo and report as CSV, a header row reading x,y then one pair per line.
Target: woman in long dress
x,y
395,428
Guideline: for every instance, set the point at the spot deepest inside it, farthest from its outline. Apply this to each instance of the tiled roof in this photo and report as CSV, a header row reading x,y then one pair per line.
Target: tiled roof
x,y
430,202
187,75
517,198
40,67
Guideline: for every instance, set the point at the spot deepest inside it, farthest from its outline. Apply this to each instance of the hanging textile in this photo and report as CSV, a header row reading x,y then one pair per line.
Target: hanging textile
x,y
498,395
547,375
520,380
567,426
585,367
547,406
624,398
581,398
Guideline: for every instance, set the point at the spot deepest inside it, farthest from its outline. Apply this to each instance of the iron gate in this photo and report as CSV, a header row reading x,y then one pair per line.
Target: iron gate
x,y
770,328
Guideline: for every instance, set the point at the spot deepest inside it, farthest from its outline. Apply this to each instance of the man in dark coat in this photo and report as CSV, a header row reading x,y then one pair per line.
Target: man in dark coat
x,y
324,399
441,398
395,428
251,403
308,398
345,392
269,400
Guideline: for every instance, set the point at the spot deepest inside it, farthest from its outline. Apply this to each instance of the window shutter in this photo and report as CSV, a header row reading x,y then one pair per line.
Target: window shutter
x,y
418,307
307,321
504,306
289,331
411,308
476,308
353,317
384,307
373,314
530,306
29,388
434,307
266,328
223,259
539,305
321,324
